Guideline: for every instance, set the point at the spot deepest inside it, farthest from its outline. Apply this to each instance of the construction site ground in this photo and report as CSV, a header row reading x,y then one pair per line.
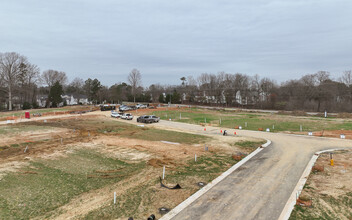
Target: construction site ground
x,y
69,166
74,163
328,190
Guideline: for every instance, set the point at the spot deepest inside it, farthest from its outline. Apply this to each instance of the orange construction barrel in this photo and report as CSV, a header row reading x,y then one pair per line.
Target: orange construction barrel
x,y
27,115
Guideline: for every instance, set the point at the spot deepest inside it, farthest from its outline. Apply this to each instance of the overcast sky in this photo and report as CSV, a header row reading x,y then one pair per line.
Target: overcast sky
x,y
166,40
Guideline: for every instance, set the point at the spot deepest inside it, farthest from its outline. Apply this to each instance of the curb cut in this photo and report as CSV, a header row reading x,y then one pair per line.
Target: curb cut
x,y
206,188
286,212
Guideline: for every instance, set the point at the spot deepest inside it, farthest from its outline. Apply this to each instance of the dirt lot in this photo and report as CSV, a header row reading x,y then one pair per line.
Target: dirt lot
x,y
328,191
70,168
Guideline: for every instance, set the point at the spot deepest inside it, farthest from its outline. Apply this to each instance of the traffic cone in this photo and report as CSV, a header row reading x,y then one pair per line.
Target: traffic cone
x,y
205,129
234,133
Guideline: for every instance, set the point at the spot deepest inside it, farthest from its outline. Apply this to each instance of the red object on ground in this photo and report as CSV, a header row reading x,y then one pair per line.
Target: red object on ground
x,y
27,115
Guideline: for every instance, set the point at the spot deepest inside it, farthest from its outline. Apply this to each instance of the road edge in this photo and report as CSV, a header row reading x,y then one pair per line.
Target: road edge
x,y
206,188
286,212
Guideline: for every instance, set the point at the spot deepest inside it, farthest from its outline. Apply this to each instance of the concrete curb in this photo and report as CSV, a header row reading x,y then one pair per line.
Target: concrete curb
x,y
206,188
286,212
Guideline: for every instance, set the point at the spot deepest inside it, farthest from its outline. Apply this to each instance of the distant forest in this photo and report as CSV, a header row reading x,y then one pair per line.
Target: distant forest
x,y
21,83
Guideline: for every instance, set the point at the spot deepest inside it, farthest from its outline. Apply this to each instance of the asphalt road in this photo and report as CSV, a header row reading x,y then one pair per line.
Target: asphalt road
x,y
260,188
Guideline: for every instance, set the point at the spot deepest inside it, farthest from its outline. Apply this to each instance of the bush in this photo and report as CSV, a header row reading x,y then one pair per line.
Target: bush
x,y
26,105
35,105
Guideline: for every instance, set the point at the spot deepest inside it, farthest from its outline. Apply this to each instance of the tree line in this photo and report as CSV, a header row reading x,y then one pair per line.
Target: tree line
x,y
21,82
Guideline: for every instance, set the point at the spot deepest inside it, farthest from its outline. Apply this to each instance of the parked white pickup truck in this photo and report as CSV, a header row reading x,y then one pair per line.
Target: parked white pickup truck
x,y
116,114
127,116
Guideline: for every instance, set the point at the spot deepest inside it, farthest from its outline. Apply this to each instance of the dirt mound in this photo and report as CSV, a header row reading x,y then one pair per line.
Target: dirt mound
x,y
318,168
238,157
157,163
304,203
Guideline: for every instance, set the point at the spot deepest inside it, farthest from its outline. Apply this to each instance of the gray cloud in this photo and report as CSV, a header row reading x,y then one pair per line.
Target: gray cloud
x,y
167,40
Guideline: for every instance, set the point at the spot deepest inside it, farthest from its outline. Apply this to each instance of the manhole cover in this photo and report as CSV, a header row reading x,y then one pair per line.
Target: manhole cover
x,y
163,210
201,184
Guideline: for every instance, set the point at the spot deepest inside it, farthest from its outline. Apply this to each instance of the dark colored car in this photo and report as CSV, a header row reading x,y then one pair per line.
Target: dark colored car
x,y
148,119
107,107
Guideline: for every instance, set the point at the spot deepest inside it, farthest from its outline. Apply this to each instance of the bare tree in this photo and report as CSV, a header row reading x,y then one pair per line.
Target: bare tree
x,y
241,82
75,87
135,80
255,88
191,81
346,77
322,76
50,77
155,90
228,87
28,77
10,64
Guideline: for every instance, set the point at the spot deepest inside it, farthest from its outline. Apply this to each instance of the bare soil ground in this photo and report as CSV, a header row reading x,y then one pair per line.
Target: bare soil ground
x,y
99,150
45,112
328,191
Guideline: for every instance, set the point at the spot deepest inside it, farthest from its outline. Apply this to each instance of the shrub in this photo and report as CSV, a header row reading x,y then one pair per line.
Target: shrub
x,y
26,105
35,105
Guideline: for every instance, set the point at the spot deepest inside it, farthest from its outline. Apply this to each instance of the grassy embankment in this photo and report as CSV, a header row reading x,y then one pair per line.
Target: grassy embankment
x,y
254,121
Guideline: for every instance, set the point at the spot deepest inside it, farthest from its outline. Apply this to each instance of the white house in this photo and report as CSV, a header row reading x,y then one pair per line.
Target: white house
x,y
75,100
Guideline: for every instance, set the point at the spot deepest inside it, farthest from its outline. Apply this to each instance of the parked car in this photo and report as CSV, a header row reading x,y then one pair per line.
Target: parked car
x,y
140,106
124,108
132,107
107,107
141,118
116,114
127,116
148,119
155,118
